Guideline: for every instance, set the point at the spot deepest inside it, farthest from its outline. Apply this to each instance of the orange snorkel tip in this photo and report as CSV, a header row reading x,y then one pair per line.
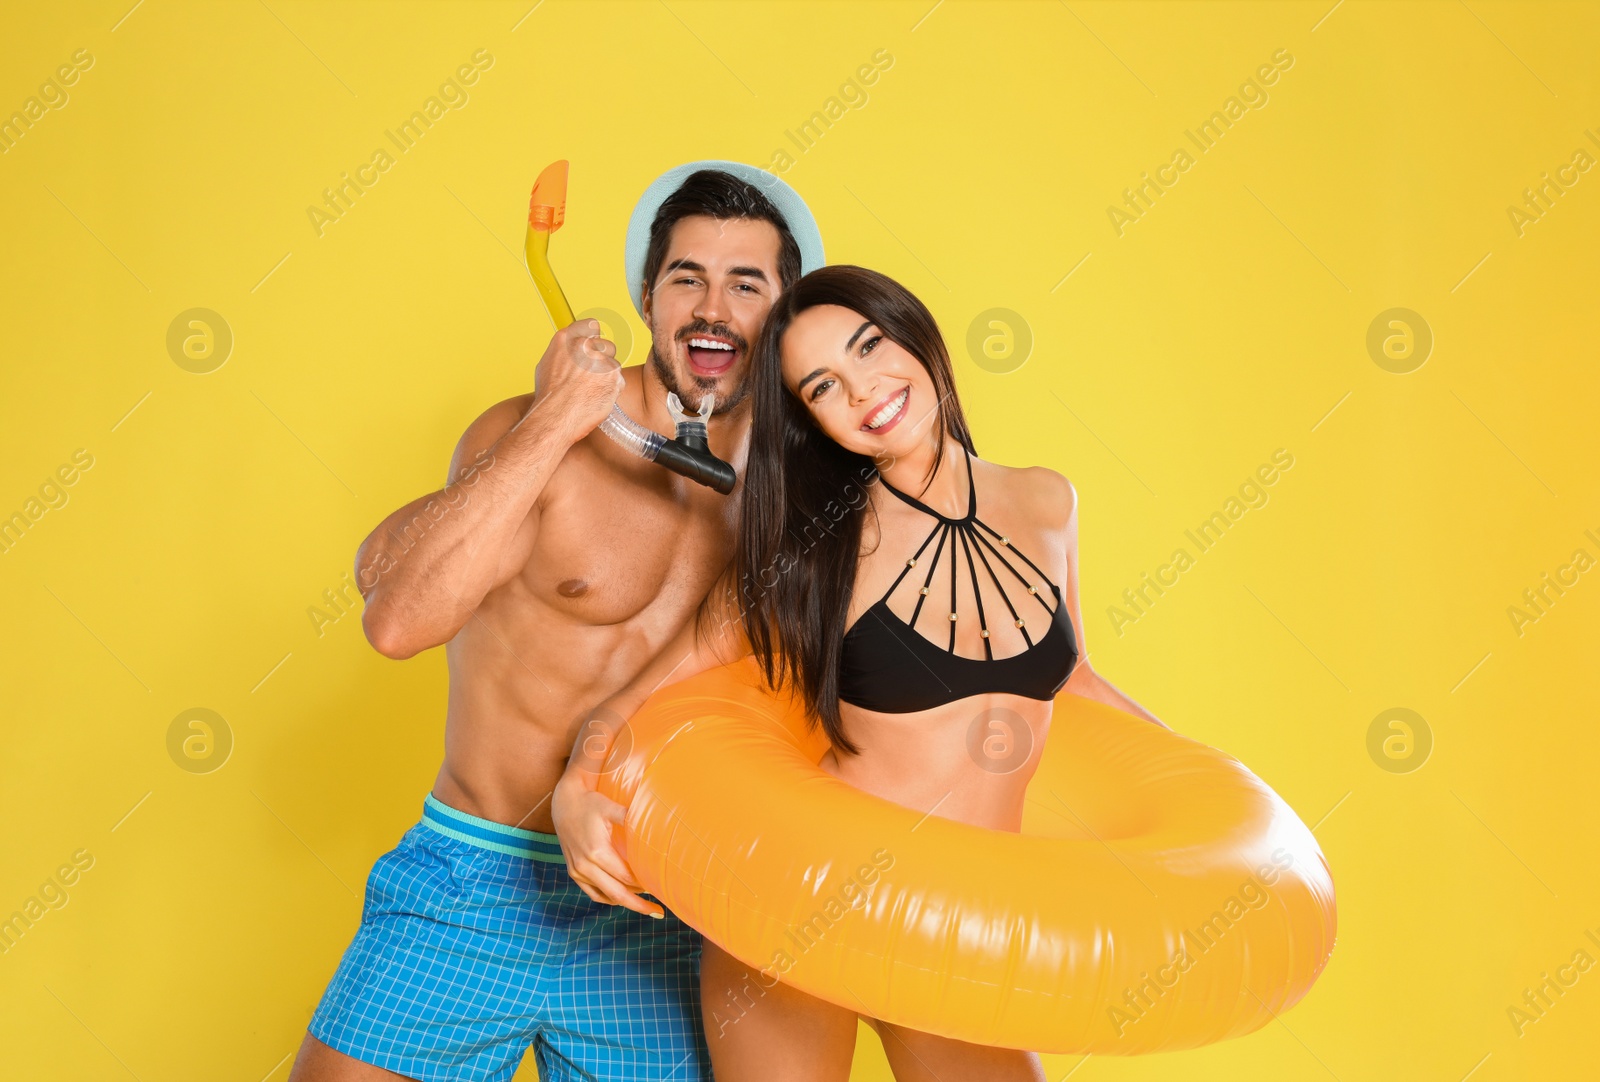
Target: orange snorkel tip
x,y
547,207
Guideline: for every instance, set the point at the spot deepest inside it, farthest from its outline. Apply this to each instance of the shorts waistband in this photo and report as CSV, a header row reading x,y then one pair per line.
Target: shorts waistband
x,y
487,834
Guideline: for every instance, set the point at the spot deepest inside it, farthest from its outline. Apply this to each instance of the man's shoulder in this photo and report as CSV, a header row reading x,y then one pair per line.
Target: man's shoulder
x,y
487,429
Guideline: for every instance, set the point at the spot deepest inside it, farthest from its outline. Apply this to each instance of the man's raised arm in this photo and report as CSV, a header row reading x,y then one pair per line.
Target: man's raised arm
x,y
428,565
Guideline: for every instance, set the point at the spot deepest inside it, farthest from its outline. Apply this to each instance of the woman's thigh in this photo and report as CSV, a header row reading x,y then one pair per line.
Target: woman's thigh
x,y
770,1034
915,1056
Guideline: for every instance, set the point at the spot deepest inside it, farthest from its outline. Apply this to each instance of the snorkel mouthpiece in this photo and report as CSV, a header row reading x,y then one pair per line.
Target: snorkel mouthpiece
x,y
688,452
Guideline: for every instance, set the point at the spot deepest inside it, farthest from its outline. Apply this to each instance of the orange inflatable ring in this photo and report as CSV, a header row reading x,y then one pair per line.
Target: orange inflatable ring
x,y
1159,897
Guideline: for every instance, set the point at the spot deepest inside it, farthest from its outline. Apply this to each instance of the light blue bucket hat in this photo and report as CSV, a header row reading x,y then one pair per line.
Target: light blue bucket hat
x,y
794,210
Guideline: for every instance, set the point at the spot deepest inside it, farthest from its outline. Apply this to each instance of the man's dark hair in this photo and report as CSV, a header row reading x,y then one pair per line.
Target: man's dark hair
x,y
719,195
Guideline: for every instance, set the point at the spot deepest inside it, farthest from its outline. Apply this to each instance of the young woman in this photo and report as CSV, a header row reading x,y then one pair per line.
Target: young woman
x,y
939,599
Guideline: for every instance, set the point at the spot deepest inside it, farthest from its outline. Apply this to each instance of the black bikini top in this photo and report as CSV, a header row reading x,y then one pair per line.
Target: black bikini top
x,y
889,666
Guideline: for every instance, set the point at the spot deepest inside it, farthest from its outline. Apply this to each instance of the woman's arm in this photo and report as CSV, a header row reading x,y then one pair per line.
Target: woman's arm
x,y
584,818
1091,685
1084,680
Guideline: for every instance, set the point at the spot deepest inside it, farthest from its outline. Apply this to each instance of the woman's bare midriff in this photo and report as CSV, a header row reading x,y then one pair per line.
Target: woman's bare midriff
x,y
970,760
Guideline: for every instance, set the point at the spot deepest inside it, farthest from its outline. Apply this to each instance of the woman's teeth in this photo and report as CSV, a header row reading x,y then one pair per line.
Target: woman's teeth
x,y
887,413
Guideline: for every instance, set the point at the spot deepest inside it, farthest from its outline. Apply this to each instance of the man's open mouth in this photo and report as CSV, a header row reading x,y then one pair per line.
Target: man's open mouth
x,y
710,354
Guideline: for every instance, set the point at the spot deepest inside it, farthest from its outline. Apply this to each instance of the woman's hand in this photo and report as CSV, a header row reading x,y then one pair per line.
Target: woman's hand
x,y
584,821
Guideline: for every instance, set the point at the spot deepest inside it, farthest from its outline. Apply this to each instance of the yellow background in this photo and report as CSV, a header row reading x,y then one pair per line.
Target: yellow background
x,y
1228,322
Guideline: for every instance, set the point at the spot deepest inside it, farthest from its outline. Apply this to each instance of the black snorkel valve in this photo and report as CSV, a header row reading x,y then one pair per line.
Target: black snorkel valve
x,y
689,453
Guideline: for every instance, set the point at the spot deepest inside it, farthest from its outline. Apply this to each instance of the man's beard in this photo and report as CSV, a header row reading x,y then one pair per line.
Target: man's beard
x,y
700,387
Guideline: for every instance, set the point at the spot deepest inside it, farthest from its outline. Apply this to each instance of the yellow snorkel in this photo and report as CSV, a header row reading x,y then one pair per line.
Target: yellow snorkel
x,y
688,453
547,209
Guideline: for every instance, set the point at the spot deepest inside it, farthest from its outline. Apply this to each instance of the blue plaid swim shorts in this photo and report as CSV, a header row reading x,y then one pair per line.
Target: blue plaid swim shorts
x,y
475,944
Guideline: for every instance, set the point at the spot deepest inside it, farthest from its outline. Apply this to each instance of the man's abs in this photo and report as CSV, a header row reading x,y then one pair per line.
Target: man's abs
x,y
617,569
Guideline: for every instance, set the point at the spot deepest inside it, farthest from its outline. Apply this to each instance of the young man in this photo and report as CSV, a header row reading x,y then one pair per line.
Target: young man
x,y
554,566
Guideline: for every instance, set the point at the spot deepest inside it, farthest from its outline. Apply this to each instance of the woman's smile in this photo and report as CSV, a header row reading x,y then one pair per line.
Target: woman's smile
x,y
888,413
